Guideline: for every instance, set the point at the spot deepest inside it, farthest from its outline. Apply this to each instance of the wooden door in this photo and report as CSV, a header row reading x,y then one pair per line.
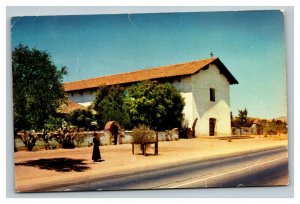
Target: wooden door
x,y
212,125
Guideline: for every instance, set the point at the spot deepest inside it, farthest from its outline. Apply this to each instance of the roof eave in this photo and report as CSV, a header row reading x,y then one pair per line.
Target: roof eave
x,y
223,69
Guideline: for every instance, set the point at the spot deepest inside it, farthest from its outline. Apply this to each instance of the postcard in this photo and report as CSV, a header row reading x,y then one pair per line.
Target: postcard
x,y
179,100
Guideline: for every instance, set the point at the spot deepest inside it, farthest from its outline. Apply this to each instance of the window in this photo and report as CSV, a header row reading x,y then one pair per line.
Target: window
x,y
212,94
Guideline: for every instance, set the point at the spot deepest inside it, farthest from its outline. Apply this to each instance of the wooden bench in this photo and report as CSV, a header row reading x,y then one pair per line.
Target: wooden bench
x,y
144,147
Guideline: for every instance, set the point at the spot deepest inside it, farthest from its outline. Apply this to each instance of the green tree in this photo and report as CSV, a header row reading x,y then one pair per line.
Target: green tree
x,y
53,123
242,117
156,105
109,105
37,87
81,118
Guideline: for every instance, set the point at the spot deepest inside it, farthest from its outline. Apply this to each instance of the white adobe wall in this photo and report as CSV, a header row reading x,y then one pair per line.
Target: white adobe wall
x,y
204,108
184,85
196,92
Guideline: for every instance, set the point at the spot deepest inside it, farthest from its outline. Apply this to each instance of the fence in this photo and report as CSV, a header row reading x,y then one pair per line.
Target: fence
x,y
86,139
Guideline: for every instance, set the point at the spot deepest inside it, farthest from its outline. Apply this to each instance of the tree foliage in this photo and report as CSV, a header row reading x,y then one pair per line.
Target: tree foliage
x,y
53,123
156,105
242,117
81,118
109,105
37,87
274,127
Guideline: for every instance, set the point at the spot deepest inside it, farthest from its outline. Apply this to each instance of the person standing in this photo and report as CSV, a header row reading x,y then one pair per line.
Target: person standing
x,y
96,150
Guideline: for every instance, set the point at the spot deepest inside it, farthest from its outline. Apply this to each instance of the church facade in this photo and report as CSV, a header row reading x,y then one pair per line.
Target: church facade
x,y
204,85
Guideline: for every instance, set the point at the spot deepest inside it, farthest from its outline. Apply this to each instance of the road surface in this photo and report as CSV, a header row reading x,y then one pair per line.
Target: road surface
x,y
263,168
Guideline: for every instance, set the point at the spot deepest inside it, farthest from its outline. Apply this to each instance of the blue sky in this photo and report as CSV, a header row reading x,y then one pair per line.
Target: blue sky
x,y
249,43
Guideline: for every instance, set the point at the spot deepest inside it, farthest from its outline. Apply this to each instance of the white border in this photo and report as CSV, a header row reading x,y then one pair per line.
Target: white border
x,y
3,87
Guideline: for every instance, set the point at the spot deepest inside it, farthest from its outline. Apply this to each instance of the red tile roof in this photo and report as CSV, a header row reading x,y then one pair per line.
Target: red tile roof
x,y
187,68
69,107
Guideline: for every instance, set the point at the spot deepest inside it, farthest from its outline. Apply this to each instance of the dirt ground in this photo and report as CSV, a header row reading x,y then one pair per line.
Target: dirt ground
x,y
38,170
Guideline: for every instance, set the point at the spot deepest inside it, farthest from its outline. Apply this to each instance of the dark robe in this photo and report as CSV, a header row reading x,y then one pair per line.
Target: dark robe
x,y
96,150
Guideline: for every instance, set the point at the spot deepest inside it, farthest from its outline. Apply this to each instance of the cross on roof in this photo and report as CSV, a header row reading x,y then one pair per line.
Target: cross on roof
x,y
211,54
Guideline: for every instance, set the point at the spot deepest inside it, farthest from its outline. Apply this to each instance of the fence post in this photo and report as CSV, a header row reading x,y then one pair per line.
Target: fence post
x,y
132,148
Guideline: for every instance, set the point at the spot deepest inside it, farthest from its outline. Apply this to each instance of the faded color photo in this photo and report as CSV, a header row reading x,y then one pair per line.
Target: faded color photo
x,y
149,101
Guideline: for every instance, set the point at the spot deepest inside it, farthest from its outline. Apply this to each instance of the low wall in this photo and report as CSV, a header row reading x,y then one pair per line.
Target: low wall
x,y
105,139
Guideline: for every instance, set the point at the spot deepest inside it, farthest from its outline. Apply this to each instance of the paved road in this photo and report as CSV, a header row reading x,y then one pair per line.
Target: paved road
x,y
256,169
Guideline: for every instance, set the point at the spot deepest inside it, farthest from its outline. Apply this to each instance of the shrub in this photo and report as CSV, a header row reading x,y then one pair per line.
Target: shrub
x,y
185,131
29,140
79,138
143,136
47,137
171,133
66,139
274,127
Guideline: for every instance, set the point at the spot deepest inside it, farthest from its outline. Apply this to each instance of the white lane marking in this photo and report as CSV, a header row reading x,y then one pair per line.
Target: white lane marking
x,y
210,177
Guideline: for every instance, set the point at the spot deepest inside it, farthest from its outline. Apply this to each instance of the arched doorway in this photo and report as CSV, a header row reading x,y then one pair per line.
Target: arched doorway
x,y
113,127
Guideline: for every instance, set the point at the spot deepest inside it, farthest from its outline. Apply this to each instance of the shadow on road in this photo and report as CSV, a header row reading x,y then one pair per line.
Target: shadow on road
x,y
57,164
